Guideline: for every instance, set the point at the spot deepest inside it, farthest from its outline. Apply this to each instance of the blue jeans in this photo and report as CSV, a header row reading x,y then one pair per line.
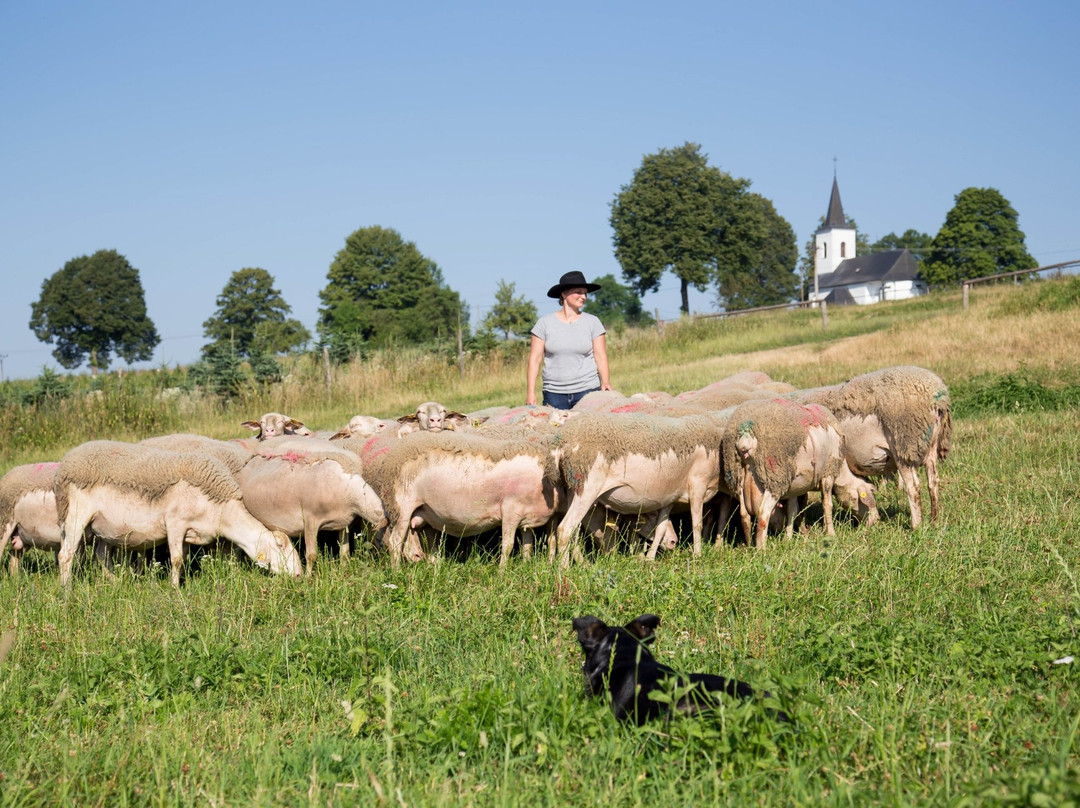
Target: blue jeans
x,y
565,401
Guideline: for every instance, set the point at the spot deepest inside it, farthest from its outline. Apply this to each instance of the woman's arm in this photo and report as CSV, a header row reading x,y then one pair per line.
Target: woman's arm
x,y
536,356
599,349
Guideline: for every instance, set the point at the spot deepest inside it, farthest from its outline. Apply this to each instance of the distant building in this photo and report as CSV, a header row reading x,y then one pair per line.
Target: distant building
x,y
841,276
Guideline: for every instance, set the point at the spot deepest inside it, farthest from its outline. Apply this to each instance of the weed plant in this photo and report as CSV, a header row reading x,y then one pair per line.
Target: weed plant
x,y
928,667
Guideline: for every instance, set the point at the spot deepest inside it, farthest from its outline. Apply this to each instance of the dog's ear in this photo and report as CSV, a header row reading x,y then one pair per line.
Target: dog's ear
x,y
644,627
590,631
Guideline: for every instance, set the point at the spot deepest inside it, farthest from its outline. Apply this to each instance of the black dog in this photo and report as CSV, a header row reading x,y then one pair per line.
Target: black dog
x,y
618,659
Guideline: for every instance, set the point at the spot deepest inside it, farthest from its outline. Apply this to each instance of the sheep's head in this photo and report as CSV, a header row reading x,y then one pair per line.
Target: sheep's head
x,y
274,425
857,495
431,416
361,426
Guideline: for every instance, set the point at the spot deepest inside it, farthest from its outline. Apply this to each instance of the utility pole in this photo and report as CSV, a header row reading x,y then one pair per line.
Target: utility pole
x,y
3,356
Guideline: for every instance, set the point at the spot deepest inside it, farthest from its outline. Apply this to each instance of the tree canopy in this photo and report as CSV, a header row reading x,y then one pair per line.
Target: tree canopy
x,y
250,312
770,277
680,214
382,290
92,307
981,236
512,315
918,243
617,305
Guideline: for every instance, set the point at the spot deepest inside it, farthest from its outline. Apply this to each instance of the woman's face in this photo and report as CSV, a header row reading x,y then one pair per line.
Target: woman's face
x,y
576,296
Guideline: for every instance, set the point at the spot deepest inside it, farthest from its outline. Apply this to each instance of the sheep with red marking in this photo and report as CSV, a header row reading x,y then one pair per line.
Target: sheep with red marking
x,y
776,450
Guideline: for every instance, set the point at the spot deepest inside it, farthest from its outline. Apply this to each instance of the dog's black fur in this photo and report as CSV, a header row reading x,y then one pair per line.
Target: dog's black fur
x,y
618,660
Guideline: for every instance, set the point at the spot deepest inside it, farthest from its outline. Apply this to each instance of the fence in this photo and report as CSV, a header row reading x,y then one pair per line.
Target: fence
x,y
1017,275
798,304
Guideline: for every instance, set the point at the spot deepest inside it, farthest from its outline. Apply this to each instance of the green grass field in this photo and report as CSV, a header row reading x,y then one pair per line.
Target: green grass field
x,y
921,667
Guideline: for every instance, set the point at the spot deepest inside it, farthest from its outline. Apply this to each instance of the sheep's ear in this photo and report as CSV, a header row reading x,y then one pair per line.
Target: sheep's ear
x,y
590,631
456,419
254,426
297,427
342,434
644,627
408,419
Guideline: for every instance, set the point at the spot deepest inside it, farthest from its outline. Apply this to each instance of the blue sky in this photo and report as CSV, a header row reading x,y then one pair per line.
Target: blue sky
x,y
201,138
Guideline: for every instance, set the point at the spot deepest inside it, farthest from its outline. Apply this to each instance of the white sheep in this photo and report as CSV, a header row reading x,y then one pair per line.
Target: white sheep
x,y
776,450
364,426
637,464
28,515
462,484
300,486
136,496
896,419
233,454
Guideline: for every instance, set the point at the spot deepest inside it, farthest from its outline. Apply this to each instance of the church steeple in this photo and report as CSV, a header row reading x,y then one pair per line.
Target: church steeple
x,y
835,216
834,242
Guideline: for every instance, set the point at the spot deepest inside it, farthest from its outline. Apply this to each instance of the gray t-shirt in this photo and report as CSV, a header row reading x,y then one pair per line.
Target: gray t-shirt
x,y
569,365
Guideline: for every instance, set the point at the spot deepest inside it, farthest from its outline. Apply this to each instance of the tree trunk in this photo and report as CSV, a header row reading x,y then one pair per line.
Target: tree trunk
x,y
685,296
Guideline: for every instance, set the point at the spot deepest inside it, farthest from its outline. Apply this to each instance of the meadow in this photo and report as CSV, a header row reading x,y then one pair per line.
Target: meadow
x,y
928,667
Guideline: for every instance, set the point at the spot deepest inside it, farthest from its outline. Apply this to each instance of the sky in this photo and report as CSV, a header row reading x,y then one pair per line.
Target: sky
x,y
200,138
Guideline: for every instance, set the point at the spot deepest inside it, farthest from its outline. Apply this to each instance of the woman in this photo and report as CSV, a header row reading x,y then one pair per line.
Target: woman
x,y
572,346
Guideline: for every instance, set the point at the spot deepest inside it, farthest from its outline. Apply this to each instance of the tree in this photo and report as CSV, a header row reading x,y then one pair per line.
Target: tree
x,y
770,279
382,291
510,315
93,307
918,243
981,236
682,215
250,309
617,305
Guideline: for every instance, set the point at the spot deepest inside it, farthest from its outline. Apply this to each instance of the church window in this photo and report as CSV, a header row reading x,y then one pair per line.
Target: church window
x,y
843,249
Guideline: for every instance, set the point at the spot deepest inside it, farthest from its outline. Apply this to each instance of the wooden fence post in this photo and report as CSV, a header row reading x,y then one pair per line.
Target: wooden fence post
x,y
460,353
966,287
326,367
824,316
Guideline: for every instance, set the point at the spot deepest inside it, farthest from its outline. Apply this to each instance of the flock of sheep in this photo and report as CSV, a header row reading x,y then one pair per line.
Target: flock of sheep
x,y
613,467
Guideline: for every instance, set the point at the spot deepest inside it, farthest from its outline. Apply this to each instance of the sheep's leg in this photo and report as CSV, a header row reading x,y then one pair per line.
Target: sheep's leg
x,y
933,481
343,546
697,505
509,531
909,475
394,538
175,539
5,539
745,509
764,514
826,505
528,541
791,508
723,513
567,532
70,542
663,522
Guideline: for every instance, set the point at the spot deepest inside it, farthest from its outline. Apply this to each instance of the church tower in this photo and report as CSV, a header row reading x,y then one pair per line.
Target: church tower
x,y
834,242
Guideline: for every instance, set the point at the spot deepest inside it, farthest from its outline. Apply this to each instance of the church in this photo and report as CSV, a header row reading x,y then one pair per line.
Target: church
x,y
842,277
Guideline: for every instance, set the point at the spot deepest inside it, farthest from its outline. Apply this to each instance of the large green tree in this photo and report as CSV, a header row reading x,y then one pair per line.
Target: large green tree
x,y
679,214
512,314
251,312
382,290
981,236
617,305
770,278
93,307
918,243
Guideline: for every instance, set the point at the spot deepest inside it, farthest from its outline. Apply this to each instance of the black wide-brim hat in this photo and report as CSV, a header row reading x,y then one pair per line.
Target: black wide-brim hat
x,y
572,280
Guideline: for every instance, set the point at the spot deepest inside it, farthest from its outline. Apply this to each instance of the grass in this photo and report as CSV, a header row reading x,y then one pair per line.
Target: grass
x,y
922,667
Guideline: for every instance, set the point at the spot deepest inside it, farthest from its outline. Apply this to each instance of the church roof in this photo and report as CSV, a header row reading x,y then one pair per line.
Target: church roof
x,y
891,265
835,216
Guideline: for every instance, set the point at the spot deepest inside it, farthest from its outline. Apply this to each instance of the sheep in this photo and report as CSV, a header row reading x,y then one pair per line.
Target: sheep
x,y
894,420
363,426
28,515
777,450
232,453
274,425
601,401
635,464
463,484
431,416
137,496
300,486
